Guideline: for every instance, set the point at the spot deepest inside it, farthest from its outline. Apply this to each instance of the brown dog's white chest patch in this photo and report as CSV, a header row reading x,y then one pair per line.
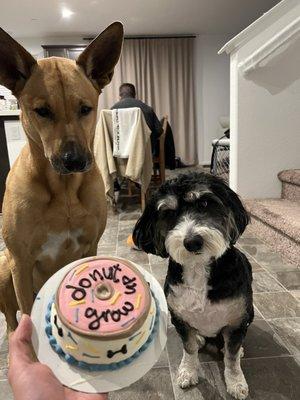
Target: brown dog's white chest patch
x,y
57,242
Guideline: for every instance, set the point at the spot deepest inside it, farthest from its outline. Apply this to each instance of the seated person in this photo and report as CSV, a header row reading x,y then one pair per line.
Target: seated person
x,y
127,100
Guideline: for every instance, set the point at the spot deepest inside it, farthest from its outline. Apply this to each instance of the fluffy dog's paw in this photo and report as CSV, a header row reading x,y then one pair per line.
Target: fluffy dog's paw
x,y
187,377
238,390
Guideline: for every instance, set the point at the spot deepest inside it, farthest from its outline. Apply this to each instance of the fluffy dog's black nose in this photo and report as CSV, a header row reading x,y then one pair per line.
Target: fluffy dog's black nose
x,y
193,243
74,158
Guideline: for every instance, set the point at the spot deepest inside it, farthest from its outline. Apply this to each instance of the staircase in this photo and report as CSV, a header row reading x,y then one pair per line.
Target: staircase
x,y
277,221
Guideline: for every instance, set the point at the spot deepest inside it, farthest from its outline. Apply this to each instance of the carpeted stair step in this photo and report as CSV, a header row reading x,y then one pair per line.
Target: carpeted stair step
x,y
277,222
290,184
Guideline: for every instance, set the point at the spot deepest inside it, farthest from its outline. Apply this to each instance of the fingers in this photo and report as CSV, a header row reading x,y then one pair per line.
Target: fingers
x,y
74,395
24,329
20,352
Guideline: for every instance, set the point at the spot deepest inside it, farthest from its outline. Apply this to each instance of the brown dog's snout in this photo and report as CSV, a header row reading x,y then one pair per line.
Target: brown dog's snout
x,y
72,158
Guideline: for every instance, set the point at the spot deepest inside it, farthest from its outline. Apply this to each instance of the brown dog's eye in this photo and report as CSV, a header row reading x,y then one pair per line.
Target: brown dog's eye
x,y
85,110
44,112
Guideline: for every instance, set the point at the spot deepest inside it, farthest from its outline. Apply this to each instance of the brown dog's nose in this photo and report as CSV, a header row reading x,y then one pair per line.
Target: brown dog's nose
x,y
73,157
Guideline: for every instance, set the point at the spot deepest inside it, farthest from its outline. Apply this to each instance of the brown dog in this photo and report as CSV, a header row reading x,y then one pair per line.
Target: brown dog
x,y
54,209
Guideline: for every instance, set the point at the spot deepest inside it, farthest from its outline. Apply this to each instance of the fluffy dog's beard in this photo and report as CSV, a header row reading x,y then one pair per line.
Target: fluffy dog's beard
x,y
214,243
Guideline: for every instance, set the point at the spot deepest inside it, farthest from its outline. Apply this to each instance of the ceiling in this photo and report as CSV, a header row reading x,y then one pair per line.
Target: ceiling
x,y
32,18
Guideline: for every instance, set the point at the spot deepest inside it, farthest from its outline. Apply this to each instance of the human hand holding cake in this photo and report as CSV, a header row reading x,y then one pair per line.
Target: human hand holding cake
x,y
33,380
99,315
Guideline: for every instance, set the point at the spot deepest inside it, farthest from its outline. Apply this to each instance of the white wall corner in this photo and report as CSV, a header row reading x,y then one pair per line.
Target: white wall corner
x,y
233,171
289,33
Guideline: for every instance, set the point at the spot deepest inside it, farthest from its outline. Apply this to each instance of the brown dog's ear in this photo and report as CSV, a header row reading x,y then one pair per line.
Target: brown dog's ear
x,y
15,63
100,57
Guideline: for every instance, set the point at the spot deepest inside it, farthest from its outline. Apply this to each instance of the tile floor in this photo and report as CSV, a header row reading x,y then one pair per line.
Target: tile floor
x,y
272,347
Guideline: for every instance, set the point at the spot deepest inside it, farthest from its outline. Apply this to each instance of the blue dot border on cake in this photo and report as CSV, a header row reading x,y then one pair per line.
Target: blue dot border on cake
x,y
98,367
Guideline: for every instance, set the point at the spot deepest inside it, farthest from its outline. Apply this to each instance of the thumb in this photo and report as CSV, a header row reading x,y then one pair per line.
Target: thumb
x,y
20,350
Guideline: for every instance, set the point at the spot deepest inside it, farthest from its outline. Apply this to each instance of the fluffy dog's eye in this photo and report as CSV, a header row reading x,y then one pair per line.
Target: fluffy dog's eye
x,y
44,112
203,203
168,213
85,110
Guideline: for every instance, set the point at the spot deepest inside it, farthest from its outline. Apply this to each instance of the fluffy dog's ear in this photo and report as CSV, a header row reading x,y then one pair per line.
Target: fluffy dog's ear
x,y
102,54
239,215
16,63
146,233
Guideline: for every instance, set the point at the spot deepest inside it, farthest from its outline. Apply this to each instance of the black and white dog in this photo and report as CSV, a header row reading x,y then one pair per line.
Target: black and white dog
x,y
195,220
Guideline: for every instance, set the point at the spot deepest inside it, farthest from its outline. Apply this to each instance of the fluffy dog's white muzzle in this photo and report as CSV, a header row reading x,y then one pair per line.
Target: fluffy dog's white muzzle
x,y
214,243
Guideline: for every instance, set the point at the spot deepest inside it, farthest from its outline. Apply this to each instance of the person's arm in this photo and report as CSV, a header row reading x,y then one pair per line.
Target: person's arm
x,y
31,380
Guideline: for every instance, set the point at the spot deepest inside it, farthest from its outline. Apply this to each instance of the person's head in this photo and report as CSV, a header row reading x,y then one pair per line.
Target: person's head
x,y
127,90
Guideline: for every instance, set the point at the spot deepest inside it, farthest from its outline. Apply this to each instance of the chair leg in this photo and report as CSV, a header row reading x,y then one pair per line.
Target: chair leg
x,y
129,187
162,175
143,200
162,172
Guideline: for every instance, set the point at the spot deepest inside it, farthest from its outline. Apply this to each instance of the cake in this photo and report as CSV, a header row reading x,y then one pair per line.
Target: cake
x,y
103,315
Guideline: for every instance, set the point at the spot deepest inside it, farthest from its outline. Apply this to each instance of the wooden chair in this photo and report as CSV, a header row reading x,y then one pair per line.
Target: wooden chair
x,y
159,167
159,171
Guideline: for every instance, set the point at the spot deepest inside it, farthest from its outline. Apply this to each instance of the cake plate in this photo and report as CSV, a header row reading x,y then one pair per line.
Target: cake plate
x,y
104,381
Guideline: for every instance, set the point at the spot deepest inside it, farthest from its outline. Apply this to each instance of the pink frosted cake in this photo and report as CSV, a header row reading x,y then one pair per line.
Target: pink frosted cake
x,y
103,315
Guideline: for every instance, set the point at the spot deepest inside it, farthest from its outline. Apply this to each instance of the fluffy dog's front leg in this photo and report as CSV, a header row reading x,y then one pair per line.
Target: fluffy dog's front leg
x,y
235,380
188,372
